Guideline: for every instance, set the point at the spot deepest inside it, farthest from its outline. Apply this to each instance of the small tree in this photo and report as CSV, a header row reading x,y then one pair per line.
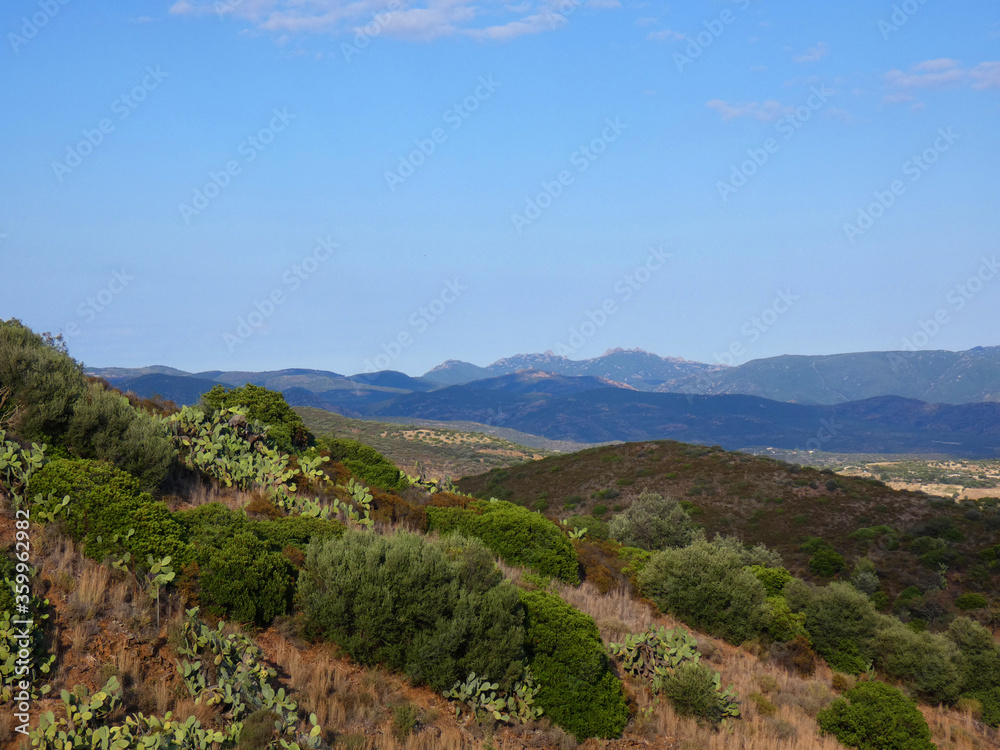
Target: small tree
x,y
876,716
653,522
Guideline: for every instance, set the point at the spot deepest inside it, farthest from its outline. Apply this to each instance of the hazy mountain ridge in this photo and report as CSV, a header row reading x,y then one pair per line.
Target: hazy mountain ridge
x,y
936,376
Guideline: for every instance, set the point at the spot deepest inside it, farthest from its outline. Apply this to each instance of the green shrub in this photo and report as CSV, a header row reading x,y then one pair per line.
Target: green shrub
x,y
579,692
826,562
287,431
7,585
774,579
783,624
436,611
930,663
105,426
709,586
107,502
971,600
295,531
245,581
596,528
513,533
989,699
44,381
653,522
876,716
841,622
211,524
366,463
693,691
981,653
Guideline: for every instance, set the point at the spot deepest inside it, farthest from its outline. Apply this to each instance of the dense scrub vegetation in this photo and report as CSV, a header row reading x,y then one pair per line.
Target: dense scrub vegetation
x,y
285,428
436,611
305,540
512,533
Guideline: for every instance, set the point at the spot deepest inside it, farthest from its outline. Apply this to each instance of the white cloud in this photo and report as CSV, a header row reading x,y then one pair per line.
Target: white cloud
x,y
665,35
424,20
940,73
813,54
767,111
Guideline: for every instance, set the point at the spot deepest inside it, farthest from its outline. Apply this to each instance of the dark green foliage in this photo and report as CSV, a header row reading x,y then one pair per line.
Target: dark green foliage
x,y
107,502
876,716
596,528
246,581
513,533
710,587
367,464
434,611
44,381
990,701
971,600
7,573
211,524
692,689
774,579
579,692
980,651
653,522
930,663
51,402
841,622
105,426
783,624
287,430
295,531
827,562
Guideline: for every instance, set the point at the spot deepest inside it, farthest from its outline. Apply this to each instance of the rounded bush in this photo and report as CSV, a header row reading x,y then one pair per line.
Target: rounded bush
x,y
876,716
367,464
653,522
105,502
579,692
692,689
710,587
434,611
513,533
245,581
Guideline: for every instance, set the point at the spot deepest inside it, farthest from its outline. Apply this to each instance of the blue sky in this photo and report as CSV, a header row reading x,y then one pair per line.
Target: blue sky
x,y
262,184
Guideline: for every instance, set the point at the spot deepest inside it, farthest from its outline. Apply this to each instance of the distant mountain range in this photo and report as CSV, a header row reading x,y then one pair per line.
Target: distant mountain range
x,y
874,402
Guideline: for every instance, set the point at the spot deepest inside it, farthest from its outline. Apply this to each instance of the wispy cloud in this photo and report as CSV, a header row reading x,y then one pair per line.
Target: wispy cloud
x,y
431,19
767,111
945,73
665,35
813,54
